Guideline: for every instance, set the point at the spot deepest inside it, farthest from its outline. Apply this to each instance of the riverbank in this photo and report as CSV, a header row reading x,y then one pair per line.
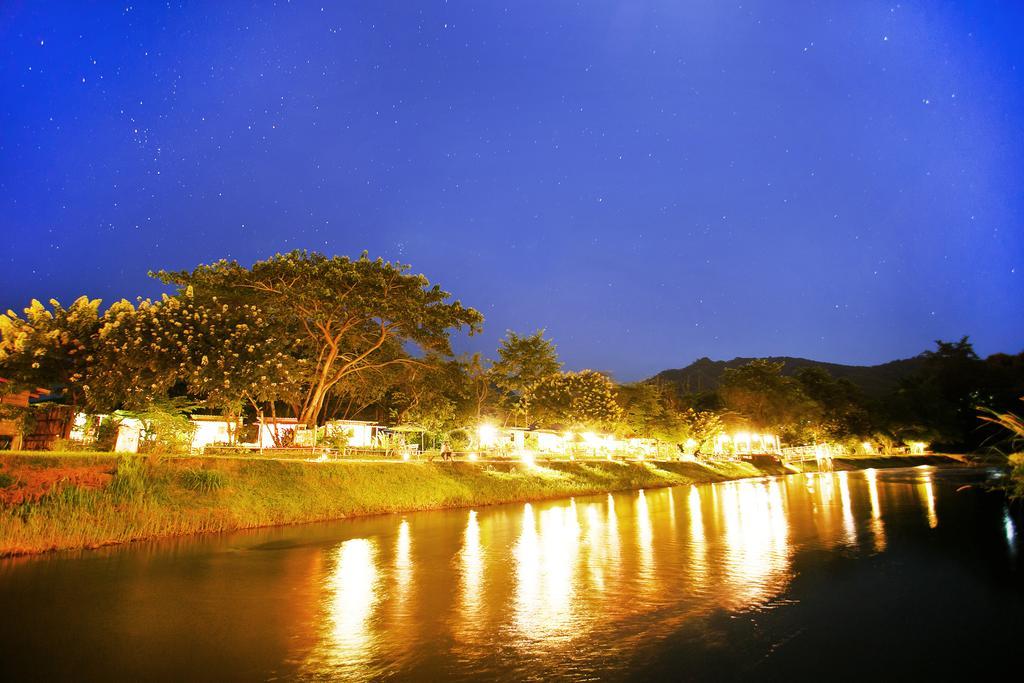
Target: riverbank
x,y
73,501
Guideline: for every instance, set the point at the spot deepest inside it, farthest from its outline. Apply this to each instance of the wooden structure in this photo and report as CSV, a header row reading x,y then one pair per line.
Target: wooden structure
x,y
48,425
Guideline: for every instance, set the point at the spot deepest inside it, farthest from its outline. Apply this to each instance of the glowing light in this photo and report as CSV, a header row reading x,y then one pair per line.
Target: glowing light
x,y
472,561
545,565
472,456
487,435
918,447
929,499
645,541
756,537
698,542
877,525
844,495
526,457
867,447
1011,532
353,586
405,455
403,563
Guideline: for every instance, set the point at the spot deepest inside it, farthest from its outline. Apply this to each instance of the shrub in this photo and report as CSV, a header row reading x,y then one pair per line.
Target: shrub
x,y
130,480
203,481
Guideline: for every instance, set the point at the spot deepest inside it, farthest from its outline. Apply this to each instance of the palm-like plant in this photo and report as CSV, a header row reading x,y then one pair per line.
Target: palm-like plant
x,y
1015,425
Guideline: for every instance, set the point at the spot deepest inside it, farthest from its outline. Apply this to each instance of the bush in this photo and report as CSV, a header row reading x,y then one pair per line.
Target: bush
x,y
203,481
6,480
130,480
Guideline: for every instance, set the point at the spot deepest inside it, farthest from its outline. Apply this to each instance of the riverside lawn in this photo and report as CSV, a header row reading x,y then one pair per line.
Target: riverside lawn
x,y
66,501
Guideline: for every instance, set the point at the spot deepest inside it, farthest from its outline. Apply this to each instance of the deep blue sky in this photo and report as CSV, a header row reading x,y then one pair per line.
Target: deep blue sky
x,y
650,181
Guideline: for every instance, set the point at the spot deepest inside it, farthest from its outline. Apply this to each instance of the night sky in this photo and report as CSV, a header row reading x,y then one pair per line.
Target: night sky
x,y
650,181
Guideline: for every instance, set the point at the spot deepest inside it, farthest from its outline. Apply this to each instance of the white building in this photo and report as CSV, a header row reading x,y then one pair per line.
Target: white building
x,y
361,434
269,426
212,429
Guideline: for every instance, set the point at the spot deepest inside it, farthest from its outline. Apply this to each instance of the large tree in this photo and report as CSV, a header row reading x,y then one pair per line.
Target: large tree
x,y
523,362
341,312
221,355
759,393
651,411
575,399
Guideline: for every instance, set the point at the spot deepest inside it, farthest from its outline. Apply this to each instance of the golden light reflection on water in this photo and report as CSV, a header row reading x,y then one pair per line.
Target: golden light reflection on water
x,y
756,547
470,622
877,525
549,579
596,549
698,574
545,564
352,588
849,526
645,542
403,565
472,564
928,495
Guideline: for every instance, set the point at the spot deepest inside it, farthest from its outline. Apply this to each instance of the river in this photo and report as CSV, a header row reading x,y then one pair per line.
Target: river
x,y
888,573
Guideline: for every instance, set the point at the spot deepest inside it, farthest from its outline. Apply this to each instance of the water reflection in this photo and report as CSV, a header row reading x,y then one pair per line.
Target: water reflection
x,y
849,526
929,500
644,541
403,565
877,525
698,566
756,531
352,587
1011,532
551,590
578,566
545,563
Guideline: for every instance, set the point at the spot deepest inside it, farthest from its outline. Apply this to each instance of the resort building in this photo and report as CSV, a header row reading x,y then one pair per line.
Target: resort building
x,y
274,431
361,434
213,429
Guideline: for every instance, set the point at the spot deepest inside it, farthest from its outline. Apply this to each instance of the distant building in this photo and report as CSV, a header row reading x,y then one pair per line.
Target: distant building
x,y
273,431
361,433
213,429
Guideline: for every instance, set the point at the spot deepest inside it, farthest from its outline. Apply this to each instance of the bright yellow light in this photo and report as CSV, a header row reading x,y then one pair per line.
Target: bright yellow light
x,y
405,455
918,447
868,447
472,457
527,458
487,435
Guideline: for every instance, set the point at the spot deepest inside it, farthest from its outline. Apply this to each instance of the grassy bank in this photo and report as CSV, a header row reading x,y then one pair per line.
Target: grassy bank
x,y
67,501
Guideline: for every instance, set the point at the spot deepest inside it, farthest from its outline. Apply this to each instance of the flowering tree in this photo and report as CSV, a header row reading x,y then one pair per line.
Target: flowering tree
x,y
49,347
221,355
585,398
343,315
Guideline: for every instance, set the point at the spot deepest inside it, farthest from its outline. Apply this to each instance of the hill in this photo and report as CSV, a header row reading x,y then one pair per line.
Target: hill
x,y
705,374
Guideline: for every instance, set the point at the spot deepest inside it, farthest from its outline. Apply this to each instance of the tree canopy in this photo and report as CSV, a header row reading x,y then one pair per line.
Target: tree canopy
x,y
342,313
